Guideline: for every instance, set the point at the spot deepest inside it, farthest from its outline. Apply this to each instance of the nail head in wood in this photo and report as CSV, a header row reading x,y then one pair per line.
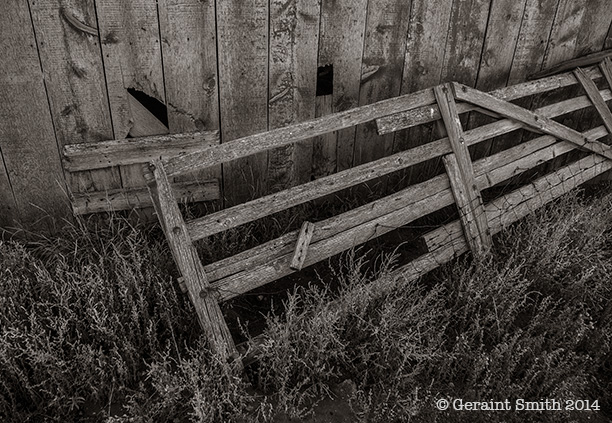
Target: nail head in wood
x,y
301,247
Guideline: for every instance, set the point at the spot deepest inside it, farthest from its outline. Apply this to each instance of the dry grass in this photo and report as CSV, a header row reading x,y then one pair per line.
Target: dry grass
x,y
93,328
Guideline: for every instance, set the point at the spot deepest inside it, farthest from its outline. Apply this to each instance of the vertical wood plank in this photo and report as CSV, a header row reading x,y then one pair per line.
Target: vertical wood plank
x,y
500,44
187,260
243,79
32,183
294,40
425,46
189,54
381,73
324,146
593,93
461,173
465,40
341,44
129,34
72,65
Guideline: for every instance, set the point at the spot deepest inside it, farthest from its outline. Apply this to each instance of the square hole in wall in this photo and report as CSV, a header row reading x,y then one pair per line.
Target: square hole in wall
x,y
325,80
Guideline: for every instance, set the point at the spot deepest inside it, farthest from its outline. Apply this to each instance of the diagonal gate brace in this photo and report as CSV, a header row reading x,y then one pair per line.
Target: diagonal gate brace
x,y
531,119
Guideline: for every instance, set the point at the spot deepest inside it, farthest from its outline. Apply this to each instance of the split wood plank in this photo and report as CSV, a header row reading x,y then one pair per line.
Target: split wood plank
x,y
301,247
381,73
74,78
344,52
186,258
137,150
132,58
261,207
189,52
461,173
31,180
531,119
263,141
131,198
431,113
593,93
243,72
294,40
271,260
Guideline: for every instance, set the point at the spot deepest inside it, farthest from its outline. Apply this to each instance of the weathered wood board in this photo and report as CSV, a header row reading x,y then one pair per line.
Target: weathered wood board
x,y
243,91
341,37
425,46
189,53
31,180
294,40
381,73
129,34
69,49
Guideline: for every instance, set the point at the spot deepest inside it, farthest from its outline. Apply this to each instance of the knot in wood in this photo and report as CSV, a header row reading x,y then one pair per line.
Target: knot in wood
x,y
176,230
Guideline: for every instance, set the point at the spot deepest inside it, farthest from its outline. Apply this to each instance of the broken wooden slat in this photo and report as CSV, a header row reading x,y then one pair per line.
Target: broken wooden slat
x,y
252,144
461,174
531,119
429,113
587,60
135,150
606,70
271,260
144,123
301,247
186,258
596,98
261,207
138,197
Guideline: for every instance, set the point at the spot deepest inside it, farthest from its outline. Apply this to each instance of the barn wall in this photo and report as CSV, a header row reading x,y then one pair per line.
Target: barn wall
x,y
248,66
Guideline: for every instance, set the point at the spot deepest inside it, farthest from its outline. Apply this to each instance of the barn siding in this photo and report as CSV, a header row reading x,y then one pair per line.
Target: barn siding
x,y
246,67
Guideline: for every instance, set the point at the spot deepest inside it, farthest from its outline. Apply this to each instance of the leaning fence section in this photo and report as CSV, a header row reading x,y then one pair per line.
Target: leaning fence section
x,y
462,183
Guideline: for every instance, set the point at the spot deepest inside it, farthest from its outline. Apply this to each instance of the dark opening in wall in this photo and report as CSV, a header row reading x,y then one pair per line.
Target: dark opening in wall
x,y
325,80
152,104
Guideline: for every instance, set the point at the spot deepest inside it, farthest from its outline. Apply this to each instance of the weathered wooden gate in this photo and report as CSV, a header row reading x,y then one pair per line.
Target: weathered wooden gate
x,y
462,184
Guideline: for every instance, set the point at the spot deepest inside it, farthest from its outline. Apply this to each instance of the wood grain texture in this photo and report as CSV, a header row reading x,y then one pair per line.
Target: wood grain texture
x,y
339,18
143,121
132,58
294,38
269,261
136,150
186,258
243,75
593,93
533,120
138,198
263,141
462,178
425,45
381,73
606,70
301,247
324,145
74,76
247,212
430,113
189,53
31,180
